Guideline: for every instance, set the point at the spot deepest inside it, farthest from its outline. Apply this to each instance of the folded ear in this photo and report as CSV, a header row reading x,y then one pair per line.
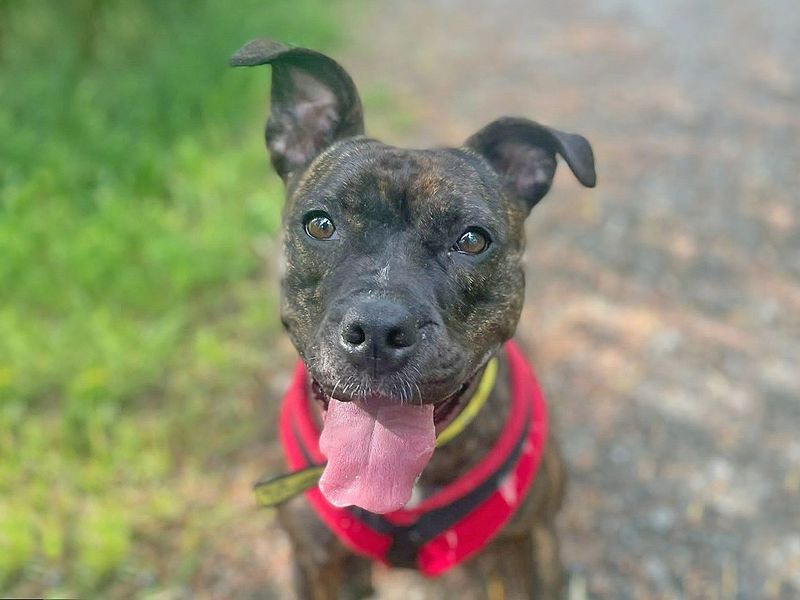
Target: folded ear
x,y
313,102
524,153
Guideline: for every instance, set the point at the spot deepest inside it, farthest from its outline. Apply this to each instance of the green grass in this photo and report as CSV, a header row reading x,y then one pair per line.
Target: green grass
x,y
135,209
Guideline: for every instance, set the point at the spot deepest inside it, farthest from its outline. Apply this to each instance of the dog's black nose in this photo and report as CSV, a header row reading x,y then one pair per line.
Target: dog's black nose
x,y
378,334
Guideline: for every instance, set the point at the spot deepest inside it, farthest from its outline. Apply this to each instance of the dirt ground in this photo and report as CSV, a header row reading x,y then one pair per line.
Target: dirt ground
x,y
663,311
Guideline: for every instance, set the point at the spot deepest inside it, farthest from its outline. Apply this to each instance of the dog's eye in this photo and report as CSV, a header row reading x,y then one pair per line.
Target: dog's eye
x,y
319,225
473,241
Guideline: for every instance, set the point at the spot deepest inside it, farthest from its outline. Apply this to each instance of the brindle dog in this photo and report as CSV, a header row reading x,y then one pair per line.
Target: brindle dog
x,y
403,276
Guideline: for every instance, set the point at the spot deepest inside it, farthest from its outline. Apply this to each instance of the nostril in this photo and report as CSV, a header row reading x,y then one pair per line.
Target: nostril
x,y
400,337
353,334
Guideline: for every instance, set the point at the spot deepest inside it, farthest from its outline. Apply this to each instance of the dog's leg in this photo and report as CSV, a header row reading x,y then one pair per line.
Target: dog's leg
x,y
523,568
524,561
505,569
348,578
323,568
547,566
357,573
548,571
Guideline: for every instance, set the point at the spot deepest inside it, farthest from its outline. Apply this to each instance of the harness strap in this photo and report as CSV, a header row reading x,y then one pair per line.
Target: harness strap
x,y
473,407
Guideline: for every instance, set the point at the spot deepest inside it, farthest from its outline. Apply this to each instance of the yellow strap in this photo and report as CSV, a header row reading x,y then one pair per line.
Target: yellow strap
x,y
272,491
473,407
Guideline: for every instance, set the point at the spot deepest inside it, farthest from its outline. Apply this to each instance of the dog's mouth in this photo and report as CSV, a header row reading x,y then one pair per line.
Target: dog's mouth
x,y
444,410
377,447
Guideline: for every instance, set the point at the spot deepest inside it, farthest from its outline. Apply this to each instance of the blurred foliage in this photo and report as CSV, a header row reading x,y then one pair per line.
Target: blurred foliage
x,y
135,206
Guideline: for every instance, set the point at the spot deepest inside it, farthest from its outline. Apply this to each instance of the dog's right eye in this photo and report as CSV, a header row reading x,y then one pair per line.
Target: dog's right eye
x,y
318,225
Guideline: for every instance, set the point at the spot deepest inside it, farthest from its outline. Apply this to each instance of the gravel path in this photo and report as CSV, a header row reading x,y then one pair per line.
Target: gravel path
x,y
664,306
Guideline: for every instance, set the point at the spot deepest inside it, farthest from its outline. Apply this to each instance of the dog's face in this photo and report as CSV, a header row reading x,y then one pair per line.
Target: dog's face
x,y
402,267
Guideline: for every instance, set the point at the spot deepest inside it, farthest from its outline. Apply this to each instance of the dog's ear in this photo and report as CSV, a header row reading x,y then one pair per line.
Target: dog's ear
x,y
313,102
524,153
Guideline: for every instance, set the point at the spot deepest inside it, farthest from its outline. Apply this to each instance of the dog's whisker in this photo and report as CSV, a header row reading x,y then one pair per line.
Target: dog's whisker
x,y
335,385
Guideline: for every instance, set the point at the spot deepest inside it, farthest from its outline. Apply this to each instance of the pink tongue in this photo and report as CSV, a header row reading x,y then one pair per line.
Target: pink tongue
x,y
375,452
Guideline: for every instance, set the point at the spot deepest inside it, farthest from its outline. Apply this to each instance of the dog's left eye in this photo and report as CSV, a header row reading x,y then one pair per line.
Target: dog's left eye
x,y
318,225
473,241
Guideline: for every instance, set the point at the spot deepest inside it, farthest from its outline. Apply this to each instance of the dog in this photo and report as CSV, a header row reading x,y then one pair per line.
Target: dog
x,y
403,283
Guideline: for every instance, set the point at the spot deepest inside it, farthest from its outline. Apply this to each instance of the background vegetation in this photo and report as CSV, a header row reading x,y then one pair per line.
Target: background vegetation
x,y
136,211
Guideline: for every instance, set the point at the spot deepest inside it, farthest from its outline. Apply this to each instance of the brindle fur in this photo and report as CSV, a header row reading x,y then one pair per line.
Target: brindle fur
x,y
398,212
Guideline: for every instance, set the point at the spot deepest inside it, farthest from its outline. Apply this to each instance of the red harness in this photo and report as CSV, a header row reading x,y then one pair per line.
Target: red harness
x,y
453,523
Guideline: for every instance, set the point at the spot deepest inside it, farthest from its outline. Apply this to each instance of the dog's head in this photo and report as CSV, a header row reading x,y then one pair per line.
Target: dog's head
x,y
402,267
